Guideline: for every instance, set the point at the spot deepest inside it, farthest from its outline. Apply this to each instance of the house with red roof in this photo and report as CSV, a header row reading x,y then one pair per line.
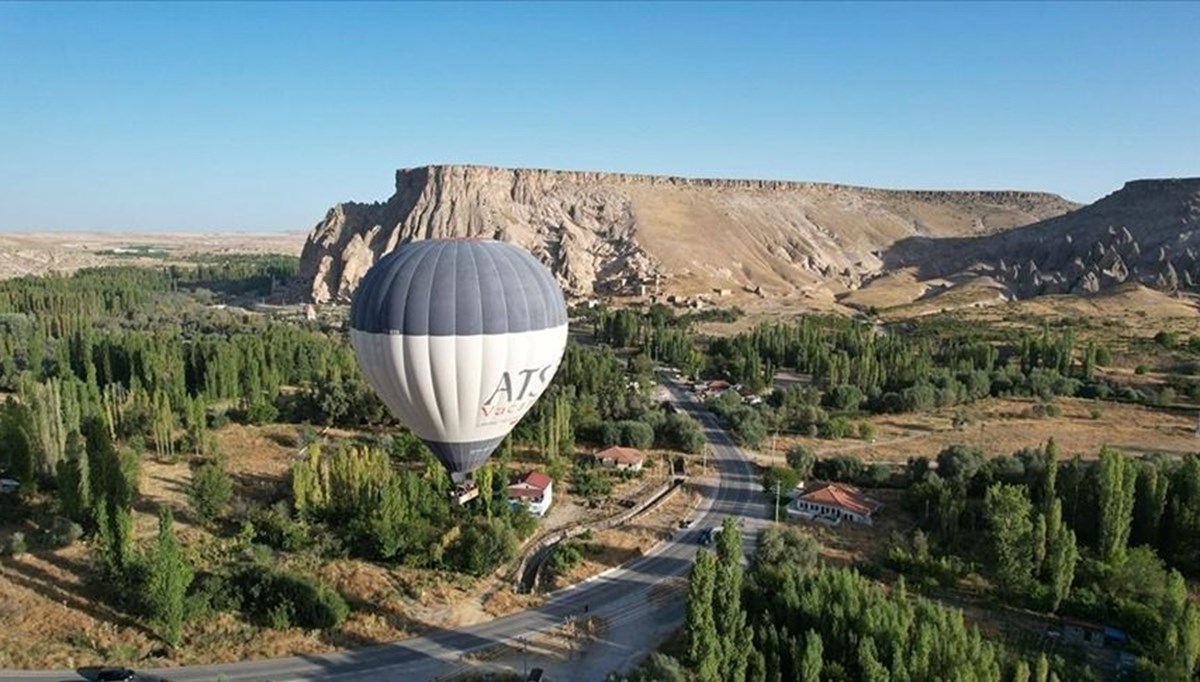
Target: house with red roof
x,y
832,502
622,459
535,491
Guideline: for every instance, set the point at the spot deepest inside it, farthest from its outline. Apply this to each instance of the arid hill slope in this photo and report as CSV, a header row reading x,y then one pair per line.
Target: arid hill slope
x,y
602,232
1147,232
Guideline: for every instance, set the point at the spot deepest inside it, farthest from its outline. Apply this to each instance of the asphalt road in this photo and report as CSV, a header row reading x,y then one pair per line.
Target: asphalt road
x,y
625,597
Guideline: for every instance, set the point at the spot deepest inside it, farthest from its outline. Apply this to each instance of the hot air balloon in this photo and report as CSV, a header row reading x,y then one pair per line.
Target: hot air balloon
x,y
459,337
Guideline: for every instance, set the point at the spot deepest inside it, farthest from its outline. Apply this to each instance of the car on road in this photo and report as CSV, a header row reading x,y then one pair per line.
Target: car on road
x,y
115,675
535,675
709,535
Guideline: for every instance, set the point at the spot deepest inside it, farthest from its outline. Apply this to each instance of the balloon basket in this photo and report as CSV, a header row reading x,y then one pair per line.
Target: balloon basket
x,y
464,491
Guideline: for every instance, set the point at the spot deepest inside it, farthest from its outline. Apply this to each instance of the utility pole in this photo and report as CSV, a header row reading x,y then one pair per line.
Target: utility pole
x,y
777,486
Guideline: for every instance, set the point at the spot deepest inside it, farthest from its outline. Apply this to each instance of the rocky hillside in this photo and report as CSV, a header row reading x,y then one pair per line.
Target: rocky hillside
x,y
614,233
1147,232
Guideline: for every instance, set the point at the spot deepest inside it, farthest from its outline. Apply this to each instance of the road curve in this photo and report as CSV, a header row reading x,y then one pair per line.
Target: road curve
x,y
624,597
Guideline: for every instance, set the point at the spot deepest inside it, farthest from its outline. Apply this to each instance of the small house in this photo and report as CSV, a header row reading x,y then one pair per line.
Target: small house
x,y
535,492
621,459
833,502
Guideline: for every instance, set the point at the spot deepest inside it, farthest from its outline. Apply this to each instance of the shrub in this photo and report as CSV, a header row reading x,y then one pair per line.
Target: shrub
x,y
209,491
636,434
213,592
878,474
589,481
841,468
482,546
801,459
1095,413
1141,369
786,478
64,532
280,616
565,556
838,427
275,526
866,431
683,433
14,545
269,594
1166,339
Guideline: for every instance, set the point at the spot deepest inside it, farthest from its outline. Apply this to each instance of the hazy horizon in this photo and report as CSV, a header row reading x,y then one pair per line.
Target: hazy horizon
x,y
258,118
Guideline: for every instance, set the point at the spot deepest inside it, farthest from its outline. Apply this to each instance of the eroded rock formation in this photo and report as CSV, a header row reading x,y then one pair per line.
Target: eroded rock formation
x,y
608,233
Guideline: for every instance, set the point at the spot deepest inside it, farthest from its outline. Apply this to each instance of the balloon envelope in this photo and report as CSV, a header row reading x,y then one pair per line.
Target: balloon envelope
x,y
459,338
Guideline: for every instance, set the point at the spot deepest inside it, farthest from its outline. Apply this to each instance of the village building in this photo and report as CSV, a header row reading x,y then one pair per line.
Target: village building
x,y
535,492
832,502
622,459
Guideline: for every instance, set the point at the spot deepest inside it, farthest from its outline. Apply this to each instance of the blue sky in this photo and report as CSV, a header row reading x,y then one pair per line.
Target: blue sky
x,y
259,117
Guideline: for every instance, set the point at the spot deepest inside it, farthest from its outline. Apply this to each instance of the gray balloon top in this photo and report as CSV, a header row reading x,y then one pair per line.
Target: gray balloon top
x,y
455,287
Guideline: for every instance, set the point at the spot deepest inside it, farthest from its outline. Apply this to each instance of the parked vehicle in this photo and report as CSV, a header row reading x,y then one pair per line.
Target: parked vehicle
x,y
115,675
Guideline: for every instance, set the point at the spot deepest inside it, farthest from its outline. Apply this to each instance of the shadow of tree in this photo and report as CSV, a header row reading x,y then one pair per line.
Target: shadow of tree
x,y
76,597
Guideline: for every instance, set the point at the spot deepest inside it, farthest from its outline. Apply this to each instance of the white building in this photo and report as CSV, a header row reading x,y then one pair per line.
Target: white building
x,y
832,502
535,492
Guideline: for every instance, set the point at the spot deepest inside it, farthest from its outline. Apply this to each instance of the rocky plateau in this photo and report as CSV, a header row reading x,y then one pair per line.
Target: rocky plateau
x,y
640,235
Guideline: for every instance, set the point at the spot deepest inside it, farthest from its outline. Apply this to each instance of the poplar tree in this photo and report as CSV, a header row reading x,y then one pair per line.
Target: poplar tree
x,y
1043,491
703,648
1117,487
1062,555
728,616
1009,535
812,662
168,577
74,481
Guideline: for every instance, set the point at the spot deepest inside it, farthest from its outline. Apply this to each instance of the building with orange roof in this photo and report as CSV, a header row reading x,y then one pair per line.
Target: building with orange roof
x,y
832,502
535,491
624,459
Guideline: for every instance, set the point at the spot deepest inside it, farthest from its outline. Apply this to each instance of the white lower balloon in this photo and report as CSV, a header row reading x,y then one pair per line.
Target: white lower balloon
x,y
460,394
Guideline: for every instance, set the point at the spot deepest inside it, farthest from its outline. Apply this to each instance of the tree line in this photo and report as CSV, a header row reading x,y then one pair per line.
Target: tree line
x,y
789,618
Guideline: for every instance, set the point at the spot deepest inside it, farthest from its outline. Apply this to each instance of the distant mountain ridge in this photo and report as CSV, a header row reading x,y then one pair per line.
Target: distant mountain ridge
x,y
611,232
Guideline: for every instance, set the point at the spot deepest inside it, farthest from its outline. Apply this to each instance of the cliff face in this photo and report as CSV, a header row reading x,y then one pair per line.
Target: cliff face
x,y
604,232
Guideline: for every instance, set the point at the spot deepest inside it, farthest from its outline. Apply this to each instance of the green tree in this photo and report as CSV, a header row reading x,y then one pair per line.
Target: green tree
x,y
1046,476
1118,477
787,480
1008,540
209,491
1062,555
812,662
801,459
728,615
168,577
703,649
74,482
